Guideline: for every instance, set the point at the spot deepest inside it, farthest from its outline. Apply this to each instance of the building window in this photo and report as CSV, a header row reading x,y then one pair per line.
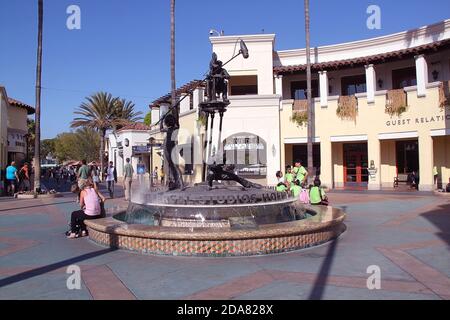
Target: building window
x,y
243,85
298,89
404,78
191,101
353,84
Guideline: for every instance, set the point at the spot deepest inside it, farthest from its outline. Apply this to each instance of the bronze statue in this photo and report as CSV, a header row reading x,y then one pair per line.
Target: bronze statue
x,y
175,177
218,172
217,80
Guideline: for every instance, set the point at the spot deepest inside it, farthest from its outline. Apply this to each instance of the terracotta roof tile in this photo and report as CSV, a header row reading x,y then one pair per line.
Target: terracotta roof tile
x,y
382,57
137,126
20,104
183,89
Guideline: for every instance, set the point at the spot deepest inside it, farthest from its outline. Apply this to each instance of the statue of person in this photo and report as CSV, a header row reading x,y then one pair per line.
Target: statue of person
x,y
217,80
175,177
218,172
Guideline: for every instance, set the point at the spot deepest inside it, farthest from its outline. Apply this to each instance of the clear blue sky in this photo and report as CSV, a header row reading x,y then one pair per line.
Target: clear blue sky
x,y
123,47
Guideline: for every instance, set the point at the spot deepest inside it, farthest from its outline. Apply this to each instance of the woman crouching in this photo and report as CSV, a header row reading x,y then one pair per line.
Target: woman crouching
x,y
90,205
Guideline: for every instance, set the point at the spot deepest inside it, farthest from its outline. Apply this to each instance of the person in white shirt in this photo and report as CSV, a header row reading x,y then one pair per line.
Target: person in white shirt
x,y
111,178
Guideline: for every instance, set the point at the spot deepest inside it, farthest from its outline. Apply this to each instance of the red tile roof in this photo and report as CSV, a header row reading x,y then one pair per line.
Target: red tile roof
x,y
137,126
186,88
382,57
20,104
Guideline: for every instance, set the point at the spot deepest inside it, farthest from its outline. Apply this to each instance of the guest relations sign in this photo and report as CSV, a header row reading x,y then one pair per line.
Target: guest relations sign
x,y
418,120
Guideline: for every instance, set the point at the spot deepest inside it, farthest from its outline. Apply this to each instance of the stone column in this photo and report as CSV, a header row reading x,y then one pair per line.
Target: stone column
x,y
197,97
421,75
426,161
370,83
279,84
326,162
185,104
323,84
374,156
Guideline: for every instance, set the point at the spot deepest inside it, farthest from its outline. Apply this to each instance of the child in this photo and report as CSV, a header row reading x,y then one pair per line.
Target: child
x,y
281,186
295,189
289,176
317,195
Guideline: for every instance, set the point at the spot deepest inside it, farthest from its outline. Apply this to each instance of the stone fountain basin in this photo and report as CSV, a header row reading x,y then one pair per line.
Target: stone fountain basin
x,y
326,225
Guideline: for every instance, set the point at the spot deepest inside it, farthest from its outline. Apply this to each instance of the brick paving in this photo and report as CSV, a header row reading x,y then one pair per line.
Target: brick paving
x,y
406,235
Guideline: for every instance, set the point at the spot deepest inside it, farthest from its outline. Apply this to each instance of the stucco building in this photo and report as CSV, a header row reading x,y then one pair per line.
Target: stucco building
x,y
381,109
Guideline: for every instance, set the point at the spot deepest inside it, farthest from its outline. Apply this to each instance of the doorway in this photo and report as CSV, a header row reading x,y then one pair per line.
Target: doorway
x,y
355,164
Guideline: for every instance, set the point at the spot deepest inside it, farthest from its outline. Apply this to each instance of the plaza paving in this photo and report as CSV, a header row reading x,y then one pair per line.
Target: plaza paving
x,y
406,235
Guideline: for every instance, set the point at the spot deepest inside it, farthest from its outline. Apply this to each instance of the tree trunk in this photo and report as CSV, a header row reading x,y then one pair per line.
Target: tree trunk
x,y
309,97
101,153
167,172
37,155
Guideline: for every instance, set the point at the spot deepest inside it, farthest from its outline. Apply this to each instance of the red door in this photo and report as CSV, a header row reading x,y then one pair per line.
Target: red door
x,y
355,167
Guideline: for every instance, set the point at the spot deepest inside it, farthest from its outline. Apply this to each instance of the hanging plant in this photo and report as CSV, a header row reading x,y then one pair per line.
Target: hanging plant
x,y
300,118
444,94
396,102
347,108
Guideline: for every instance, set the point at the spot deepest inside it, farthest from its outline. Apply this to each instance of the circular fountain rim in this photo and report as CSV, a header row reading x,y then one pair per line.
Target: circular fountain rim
x,y
208,206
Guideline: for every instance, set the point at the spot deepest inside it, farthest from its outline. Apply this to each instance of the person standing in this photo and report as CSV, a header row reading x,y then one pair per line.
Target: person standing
x,y
127,179
300,172
83,174
11,179
161,174
111,178
95,176
24,175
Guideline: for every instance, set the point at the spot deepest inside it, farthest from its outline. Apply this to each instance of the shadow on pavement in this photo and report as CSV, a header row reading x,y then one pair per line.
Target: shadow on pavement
x,y
51,267
440,217
321,279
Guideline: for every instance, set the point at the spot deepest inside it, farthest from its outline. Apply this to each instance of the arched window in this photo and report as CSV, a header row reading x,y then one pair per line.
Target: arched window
x,y
247,152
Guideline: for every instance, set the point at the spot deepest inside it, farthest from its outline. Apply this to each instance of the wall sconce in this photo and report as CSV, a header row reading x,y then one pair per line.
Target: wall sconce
x,y
127,142
435,74
380,83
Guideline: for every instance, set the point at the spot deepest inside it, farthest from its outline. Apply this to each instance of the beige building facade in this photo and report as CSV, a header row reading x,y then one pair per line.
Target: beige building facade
x,y
381,110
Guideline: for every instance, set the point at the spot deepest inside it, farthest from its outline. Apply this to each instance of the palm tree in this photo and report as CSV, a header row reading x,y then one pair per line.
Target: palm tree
x,y
103,112
308,92
125,110
37,140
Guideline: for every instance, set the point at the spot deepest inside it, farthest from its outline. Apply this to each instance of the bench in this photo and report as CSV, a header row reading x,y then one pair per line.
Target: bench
x,y
400,178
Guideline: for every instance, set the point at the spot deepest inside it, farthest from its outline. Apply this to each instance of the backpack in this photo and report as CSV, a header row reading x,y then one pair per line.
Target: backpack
x,y
304,196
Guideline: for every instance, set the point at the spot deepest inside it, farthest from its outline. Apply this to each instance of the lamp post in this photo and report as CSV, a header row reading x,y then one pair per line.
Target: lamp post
x,y
151,143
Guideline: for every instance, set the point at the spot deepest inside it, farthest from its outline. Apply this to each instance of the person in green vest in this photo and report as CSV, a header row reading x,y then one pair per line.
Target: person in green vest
x,y
295,188
281,186
317,194
289,177
300,172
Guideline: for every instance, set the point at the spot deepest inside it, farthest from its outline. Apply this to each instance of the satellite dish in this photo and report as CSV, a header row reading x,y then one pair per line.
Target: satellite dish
x,y
244,49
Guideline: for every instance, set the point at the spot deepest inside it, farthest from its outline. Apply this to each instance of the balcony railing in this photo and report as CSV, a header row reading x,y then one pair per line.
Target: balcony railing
x,y
444,94
347,107
300,112
396,101
300,105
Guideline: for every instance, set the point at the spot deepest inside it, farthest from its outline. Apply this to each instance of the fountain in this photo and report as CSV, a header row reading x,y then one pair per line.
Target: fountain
x,y
215,217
